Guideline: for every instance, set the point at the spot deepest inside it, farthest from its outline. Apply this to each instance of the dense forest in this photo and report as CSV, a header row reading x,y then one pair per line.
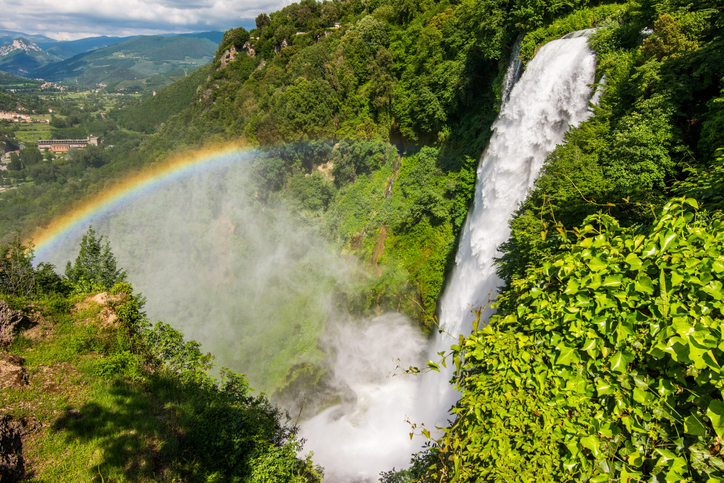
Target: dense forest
x,y
602,362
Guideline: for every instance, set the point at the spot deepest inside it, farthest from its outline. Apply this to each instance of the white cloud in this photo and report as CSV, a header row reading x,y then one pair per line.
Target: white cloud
x,y
72,19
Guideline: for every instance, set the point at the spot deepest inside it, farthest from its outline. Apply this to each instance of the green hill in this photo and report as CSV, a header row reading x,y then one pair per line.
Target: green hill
x,y
135,59
25,62
147,115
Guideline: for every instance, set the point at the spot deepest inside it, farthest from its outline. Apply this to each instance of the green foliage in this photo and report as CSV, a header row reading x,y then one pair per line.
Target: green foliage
x,y
705,183
585,18
235,37
641,137
352,159
48,282
146,395
120,363
607,365
639,156
315,192
168,346
17,276
95,263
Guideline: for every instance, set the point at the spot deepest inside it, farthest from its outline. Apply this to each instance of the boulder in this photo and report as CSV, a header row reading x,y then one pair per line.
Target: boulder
x,y
9,321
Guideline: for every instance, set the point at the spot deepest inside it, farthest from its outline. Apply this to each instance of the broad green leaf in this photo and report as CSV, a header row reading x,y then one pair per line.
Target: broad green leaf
x,y
642,396
679,350
715,412
597,264
590,344
572,287
651,250
620,361
634,261
592,443
604,387
711,361
612,280
667,240
567,356
694,426
635,459
665,455
644,285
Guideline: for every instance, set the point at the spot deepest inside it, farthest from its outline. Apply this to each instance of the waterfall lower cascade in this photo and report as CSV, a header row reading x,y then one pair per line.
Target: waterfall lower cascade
x,y
552,94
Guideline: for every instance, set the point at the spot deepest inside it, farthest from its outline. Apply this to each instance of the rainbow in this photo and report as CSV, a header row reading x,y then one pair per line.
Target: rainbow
x,y
46,239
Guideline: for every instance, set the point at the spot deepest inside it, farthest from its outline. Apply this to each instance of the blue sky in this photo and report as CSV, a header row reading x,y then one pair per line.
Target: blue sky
x,y
73,19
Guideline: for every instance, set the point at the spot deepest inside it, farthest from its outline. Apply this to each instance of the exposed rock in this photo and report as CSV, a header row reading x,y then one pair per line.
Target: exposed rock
x,y
9,321
248,47
18,44
107,314
283,45
12,372
12,466
228,56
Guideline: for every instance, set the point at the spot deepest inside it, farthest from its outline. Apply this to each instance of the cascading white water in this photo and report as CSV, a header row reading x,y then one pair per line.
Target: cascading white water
x,y
552,94
354,441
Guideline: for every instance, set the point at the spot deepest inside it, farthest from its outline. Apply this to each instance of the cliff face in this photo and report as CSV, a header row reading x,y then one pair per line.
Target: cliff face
x,y
19,44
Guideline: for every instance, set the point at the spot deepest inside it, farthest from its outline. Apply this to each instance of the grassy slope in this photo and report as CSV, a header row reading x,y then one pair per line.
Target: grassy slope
x,y
101,410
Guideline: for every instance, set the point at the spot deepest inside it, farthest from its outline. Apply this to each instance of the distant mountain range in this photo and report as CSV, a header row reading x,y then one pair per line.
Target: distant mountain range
x,y
107,60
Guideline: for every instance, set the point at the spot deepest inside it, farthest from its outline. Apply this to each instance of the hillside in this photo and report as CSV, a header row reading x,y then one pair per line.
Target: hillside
x,y
69,48
154,110
23,57
135,59
73,362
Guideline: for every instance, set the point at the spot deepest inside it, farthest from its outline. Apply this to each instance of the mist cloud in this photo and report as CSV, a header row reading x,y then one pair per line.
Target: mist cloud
x,y
262,291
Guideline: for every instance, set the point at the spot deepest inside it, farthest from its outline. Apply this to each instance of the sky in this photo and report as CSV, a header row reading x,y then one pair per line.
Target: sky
x,y
74,19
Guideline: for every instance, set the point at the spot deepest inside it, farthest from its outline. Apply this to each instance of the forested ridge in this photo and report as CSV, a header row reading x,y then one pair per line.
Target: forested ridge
x,y
604,359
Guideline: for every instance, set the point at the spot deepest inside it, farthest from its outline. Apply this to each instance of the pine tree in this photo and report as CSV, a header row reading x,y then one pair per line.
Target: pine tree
x,y
95,263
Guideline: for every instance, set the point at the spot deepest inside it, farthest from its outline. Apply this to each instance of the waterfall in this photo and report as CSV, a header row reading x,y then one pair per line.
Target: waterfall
x,y
353,440
202,251
552,94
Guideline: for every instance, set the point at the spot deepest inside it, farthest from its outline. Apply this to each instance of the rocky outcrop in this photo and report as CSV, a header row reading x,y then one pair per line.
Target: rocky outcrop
x,y
228,56
18,44
12,372
9,321
248,47
283,45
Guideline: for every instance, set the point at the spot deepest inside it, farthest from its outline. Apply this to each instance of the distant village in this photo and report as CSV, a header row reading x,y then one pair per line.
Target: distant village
x,y
18,117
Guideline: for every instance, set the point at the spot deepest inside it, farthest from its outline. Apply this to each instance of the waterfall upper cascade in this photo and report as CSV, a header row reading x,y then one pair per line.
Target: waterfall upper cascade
x,y
552,94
